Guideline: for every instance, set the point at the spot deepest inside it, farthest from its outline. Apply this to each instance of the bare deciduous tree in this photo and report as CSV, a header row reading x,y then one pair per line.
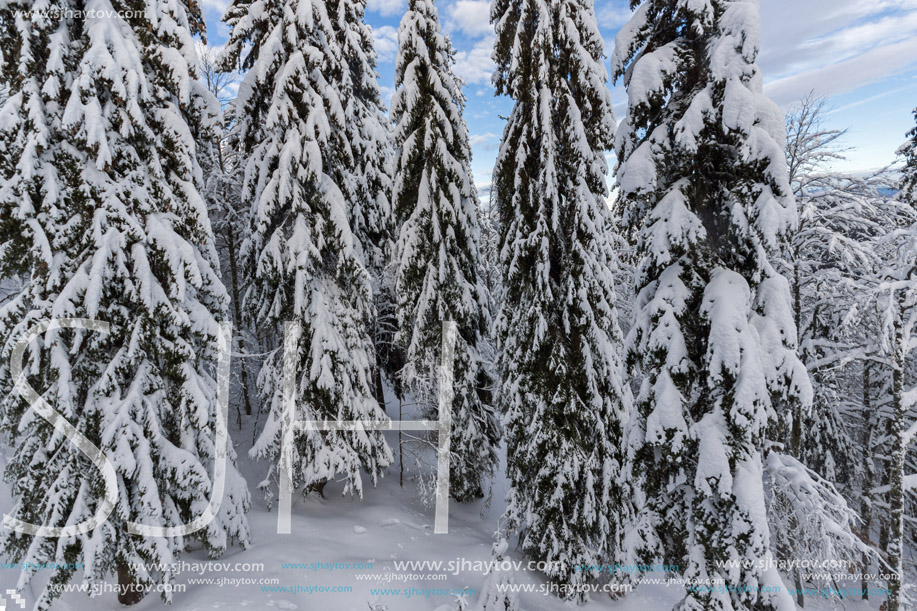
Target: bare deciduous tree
x,y
811,147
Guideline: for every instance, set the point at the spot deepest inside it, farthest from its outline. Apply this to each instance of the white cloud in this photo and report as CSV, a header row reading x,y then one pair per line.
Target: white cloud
x,y
864,36
471,17
480,139
834,46
476,66
386,93
216,5
610,15
868,100
385,39
208,50
386,8
846,75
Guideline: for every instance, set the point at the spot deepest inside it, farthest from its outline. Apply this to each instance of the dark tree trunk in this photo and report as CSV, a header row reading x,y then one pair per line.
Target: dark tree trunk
x,y
400,450
237,310
130,592
866,501
800,599
796,432
895,548
377,379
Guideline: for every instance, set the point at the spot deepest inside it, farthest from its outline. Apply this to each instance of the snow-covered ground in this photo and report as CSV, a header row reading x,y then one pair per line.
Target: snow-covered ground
x,y
331,535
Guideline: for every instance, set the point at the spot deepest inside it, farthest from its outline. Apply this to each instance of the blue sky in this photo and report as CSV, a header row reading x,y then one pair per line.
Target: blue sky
x,y
862,54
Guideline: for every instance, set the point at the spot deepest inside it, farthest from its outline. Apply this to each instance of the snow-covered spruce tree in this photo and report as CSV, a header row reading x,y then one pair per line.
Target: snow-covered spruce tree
x,y
496,592
302,256
909,173
562,394
366,163
436,209
898,342
704,179
366,178
103,119
29,209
